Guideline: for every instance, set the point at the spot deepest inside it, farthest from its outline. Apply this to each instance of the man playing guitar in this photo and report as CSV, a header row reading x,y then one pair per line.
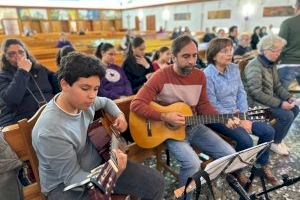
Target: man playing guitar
x,y
182,82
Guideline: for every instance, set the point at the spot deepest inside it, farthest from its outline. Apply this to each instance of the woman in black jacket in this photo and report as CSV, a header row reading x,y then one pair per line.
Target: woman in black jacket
x,y
25,85
137,67
255,37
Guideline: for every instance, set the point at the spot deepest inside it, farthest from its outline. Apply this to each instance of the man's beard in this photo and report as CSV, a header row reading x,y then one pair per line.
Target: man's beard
x,y
186,70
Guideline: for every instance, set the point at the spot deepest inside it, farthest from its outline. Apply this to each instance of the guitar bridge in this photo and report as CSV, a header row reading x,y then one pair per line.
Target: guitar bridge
x,y
148,125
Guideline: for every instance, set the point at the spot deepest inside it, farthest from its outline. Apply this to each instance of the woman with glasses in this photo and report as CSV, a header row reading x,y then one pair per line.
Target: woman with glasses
x,y
264,89
226,93
25,85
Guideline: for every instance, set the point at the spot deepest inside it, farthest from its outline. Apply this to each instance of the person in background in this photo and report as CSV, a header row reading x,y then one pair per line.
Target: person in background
x,y
221,33
63,41
115,83
161,58
138,68
66,154
208,36
214,31
243,50
289,67
63,52
264,89
126,40
25,85
255,37
233,35
175,33
270,29
263,31
226,93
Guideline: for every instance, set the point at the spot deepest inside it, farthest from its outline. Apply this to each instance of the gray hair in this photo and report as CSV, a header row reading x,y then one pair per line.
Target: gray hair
x,y
241,36
270,42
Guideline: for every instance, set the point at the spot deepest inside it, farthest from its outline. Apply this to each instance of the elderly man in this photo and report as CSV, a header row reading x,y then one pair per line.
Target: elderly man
x,y
289,68
243,50
264,89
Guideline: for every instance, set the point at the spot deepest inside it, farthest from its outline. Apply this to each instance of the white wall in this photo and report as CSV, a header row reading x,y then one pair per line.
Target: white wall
x,y
199,19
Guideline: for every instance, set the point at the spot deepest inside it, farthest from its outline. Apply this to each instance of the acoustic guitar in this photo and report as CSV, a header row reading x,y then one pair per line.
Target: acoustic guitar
x,y
102,179
149,133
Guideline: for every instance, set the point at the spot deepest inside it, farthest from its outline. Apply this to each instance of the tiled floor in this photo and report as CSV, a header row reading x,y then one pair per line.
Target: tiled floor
x,y
289,165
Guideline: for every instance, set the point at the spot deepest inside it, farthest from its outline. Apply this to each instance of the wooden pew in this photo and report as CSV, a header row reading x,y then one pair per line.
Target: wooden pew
x,y
14,137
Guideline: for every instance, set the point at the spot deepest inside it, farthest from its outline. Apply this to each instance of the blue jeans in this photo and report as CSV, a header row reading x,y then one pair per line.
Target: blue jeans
x,y
199,137
284,120
137,180
288,74
243,140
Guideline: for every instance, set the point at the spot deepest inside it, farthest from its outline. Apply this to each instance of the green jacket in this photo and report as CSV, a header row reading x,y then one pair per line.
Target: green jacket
x,y
262,84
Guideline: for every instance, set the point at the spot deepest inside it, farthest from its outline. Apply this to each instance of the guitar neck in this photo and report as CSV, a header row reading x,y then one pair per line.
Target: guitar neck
x,y
216,118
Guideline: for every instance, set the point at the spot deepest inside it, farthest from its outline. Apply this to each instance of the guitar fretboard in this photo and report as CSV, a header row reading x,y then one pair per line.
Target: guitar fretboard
x,y
208,119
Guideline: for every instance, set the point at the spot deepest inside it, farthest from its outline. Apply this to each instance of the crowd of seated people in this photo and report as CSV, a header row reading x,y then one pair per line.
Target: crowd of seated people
x,y
171,77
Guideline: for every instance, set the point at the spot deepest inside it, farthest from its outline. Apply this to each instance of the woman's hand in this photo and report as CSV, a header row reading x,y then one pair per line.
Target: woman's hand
x,y
142,61
24,63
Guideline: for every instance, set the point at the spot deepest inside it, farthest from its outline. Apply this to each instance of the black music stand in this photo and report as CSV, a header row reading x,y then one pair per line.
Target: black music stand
x,y
228,164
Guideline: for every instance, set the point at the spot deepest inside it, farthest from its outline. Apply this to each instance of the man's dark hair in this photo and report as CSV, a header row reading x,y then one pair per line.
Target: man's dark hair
x,y
180,42
231,29
215,46
76,65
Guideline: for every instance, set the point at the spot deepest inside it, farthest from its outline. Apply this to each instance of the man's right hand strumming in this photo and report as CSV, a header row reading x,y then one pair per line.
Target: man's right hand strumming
x,y
173,118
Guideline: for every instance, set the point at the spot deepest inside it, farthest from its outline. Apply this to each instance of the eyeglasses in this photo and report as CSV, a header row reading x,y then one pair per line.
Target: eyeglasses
x,y
12,54
227,51
275,50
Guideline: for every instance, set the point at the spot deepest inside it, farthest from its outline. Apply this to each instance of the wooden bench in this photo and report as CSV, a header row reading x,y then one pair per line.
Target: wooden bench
x,y
19,139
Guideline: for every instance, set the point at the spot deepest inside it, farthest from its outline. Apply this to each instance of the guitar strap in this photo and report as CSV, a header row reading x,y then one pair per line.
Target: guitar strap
x,y
196,177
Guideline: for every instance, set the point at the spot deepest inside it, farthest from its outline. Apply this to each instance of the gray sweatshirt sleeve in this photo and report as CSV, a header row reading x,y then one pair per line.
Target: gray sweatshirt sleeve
x,y
108,105
62,158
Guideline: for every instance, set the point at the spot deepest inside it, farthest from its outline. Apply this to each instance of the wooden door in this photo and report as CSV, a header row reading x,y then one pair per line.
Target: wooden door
x,y
97,25
106,25
65,26
56,26
35,26
150,23
118,24
45,26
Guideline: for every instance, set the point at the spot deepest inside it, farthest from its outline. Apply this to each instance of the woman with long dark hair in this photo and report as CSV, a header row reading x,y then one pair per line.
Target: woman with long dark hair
x,y
137,67
161,58
25,85
255,37
115,83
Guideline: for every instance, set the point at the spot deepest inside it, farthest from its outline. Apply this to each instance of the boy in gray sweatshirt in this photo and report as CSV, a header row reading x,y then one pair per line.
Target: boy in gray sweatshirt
x,y
60,140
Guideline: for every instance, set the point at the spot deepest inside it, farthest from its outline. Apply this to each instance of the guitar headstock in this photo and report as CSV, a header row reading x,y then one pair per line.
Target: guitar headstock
x,y
104,178
259,114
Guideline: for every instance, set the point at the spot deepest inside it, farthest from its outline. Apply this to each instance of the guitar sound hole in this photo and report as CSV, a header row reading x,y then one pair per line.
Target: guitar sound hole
x,y
172,127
